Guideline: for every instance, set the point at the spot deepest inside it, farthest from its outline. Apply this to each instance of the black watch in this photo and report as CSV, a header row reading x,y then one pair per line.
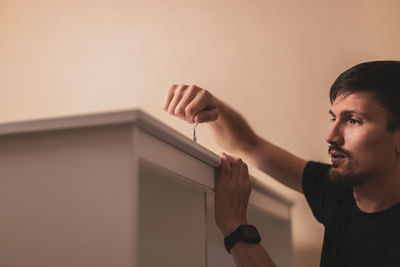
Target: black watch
x,y
245,233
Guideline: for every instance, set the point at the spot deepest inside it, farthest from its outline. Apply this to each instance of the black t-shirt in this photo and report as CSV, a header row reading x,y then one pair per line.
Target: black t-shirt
x,y
352,238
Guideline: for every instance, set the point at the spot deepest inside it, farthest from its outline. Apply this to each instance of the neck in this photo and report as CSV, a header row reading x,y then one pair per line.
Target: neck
x,y
378,193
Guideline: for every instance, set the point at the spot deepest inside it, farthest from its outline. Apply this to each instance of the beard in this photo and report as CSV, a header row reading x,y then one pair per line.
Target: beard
x,y
343,174
346,176
351,171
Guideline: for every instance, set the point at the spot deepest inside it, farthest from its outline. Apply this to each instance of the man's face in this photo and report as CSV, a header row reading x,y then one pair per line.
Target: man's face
x,y
361,148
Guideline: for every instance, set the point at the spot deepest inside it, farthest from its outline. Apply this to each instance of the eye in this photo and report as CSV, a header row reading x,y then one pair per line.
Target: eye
x,y
333,119
354,121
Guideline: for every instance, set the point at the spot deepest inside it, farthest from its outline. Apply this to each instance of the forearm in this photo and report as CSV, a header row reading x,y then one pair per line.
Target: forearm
x,y
231,132
232,191
251,255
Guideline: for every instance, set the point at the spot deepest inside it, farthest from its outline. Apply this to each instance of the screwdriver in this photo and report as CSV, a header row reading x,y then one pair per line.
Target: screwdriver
x,y
194,138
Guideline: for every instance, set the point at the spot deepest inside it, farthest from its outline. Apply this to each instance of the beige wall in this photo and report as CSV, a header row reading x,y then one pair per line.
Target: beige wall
x,y
272,60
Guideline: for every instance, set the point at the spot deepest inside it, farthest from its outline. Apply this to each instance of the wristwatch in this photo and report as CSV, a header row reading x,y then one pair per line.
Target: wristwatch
x,y
245,233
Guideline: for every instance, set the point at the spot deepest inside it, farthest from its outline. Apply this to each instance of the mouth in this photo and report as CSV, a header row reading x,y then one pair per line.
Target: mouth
x,y
337,157
335,154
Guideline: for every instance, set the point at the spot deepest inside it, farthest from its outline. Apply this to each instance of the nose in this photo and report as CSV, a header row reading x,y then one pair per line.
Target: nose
x,y
335,135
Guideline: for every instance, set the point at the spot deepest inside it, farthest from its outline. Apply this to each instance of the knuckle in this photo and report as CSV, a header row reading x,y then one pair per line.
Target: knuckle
x,y
228,157
231,159
235,163
180,89
189,110
192,88
171,110
203,92
172,88
179,110
237,160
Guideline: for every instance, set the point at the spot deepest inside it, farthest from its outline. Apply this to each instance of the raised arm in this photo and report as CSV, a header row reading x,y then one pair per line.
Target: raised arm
x,y
233,134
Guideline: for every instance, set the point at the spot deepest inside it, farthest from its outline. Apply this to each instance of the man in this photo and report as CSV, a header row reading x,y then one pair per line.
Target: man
x,y
356,198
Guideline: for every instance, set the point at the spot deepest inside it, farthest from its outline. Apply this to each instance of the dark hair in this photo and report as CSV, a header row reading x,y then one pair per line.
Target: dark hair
x,y
379,77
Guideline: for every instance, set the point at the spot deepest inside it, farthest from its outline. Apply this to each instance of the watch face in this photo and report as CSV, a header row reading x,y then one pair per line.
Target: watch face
x,y
249,233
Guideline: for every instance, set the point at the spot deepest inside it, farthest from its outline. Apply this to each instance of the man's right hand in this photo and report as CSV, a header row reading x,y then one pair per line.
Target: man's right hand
x,y
191,103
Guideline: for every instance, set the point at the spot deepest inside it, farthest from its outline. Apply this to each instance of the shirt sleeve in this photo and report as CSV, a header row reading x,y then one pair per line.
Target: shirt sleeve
x,y
316,188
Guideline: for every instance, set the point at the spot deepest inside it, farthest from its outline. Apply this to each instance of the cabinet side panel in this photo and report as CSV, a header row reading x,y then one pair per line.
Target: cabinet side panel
x,y
275,234
65,198
171,221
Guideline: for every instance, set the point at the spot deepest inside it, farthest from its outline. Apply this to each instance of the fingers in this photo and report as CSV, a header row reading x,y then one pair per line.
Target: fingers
x,y
169,96
246,178
237,170
234,170
225,168
188,102
176,98
207,107
208,115
182,109
198,103
231,194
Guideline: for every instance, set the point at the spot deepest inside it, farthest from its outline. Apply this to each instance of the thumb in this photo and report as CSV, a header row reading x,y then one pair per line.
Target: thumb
x,y
206,115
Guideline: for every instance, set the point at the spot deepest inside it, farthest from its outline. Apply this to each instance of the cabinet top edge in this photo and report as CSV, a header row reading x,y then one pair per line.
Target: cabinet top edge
x,y
70,122
136,118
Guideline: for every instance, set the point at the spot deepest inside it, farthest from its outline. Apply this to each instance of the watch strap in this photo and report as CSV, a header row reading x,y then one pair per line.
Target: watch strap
x,y
245,233
231,240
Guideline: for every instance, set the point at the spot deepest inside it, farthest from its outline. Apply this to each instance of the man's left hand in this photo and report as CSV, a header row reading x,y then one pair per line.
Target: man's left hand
x,y
232,191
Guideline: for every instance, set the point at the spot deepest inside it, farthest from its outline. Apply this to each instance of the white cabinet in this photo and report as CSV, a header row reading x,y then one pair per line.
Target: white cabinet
x,y
118,189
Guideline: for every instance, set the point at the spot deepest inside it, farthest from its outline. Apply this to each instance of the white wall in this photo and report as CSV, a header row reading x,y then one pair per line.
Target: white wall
x,y
274,61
